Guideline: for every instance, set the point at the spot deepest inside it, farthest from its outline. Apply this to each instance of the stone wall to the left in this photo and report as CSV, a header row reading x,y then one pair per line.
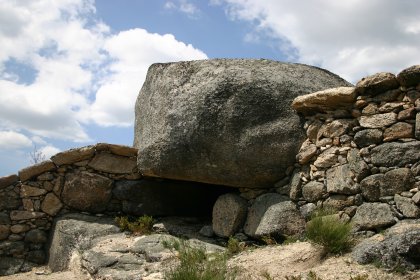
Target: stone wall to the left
x,y
97,180
78,180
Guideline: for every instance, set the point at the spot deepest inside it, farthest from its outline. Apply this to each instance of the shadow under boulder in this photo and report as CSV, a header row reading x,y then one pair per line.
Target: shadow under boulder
x,y
167,197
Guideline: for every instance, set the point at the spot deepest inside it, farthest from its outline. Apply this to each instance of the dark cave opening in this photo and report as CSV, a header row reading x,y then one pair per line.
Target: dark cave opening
x,y
162,198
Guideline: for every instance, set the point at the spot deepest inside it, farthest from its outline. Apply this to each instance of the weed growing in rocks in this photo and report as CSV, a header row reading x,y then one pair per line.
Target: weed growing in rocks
x,y
291,239
234,246
196,264
329,231
142,225
122,222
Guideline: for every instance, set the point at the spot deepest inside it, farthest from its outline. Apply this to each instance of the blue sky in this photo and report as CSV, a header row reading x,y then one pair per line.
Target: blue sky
x,y
70,70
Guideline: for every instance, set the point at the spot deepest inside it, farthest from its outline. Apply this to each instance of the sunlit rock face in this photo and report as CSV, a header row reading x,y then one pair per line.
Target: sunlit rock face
x,y
226,122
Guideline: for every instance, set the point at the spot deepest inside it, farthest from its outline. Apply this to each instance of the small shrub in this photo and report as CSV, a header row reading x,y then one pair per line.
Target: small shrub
x,y
291,239
36,156
234,246
327,230
142,225
122,223
195,264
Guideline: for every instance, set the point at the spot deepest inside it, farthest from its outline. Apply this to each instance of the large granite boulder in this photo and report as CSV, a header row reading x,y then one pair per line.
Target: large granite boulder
x,y
397,247
225,122
75,232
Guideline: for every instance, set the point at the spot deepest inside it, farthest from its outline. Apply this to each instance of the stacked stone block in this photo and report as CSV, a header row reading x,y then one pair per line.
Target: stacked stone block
x,y
362,152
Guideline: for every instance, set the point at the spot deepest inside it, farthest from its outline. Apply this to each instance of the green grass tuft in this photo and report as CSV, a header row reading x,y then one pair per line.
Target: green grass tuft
x,y
195,264
329,231
234,246
142,225
122,222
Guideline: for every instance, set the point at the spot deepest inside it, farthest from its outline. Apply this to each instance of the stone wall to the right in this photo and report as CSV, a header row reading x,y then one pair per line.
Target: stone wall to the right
x,y
362,152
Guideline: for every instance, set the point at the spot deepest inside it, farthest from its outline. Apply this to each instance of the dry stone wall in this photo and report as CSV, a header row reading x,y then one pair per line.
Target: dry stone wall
x,y
361,157
362,152
96,180
78,180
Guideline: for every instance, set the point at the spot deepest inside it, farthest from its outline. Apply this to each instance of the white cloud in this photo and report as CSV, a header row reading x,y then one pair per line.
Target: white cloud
x,y
13,140
352,38
49,150
183,6
38,140
42,109
52,38
133,51
170,5
81,72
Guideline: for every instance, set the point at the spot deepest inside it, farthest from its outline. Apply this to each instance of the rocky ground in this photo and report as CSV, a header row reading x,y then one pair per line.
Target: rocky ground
x,y
124,256
302,258
277,262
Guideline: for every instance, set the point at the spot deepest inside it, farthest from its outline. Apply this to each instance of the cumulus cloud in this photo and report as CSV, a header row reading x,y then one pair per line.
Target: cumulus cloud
x,y
49,150
54,40
13,140
78,72
352,38
133,51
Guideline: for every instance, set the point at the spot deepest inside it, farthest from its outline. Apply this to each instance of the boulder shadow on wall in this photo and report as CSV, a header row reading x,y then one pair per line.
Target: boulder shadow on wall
x,y
223,121
167,197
